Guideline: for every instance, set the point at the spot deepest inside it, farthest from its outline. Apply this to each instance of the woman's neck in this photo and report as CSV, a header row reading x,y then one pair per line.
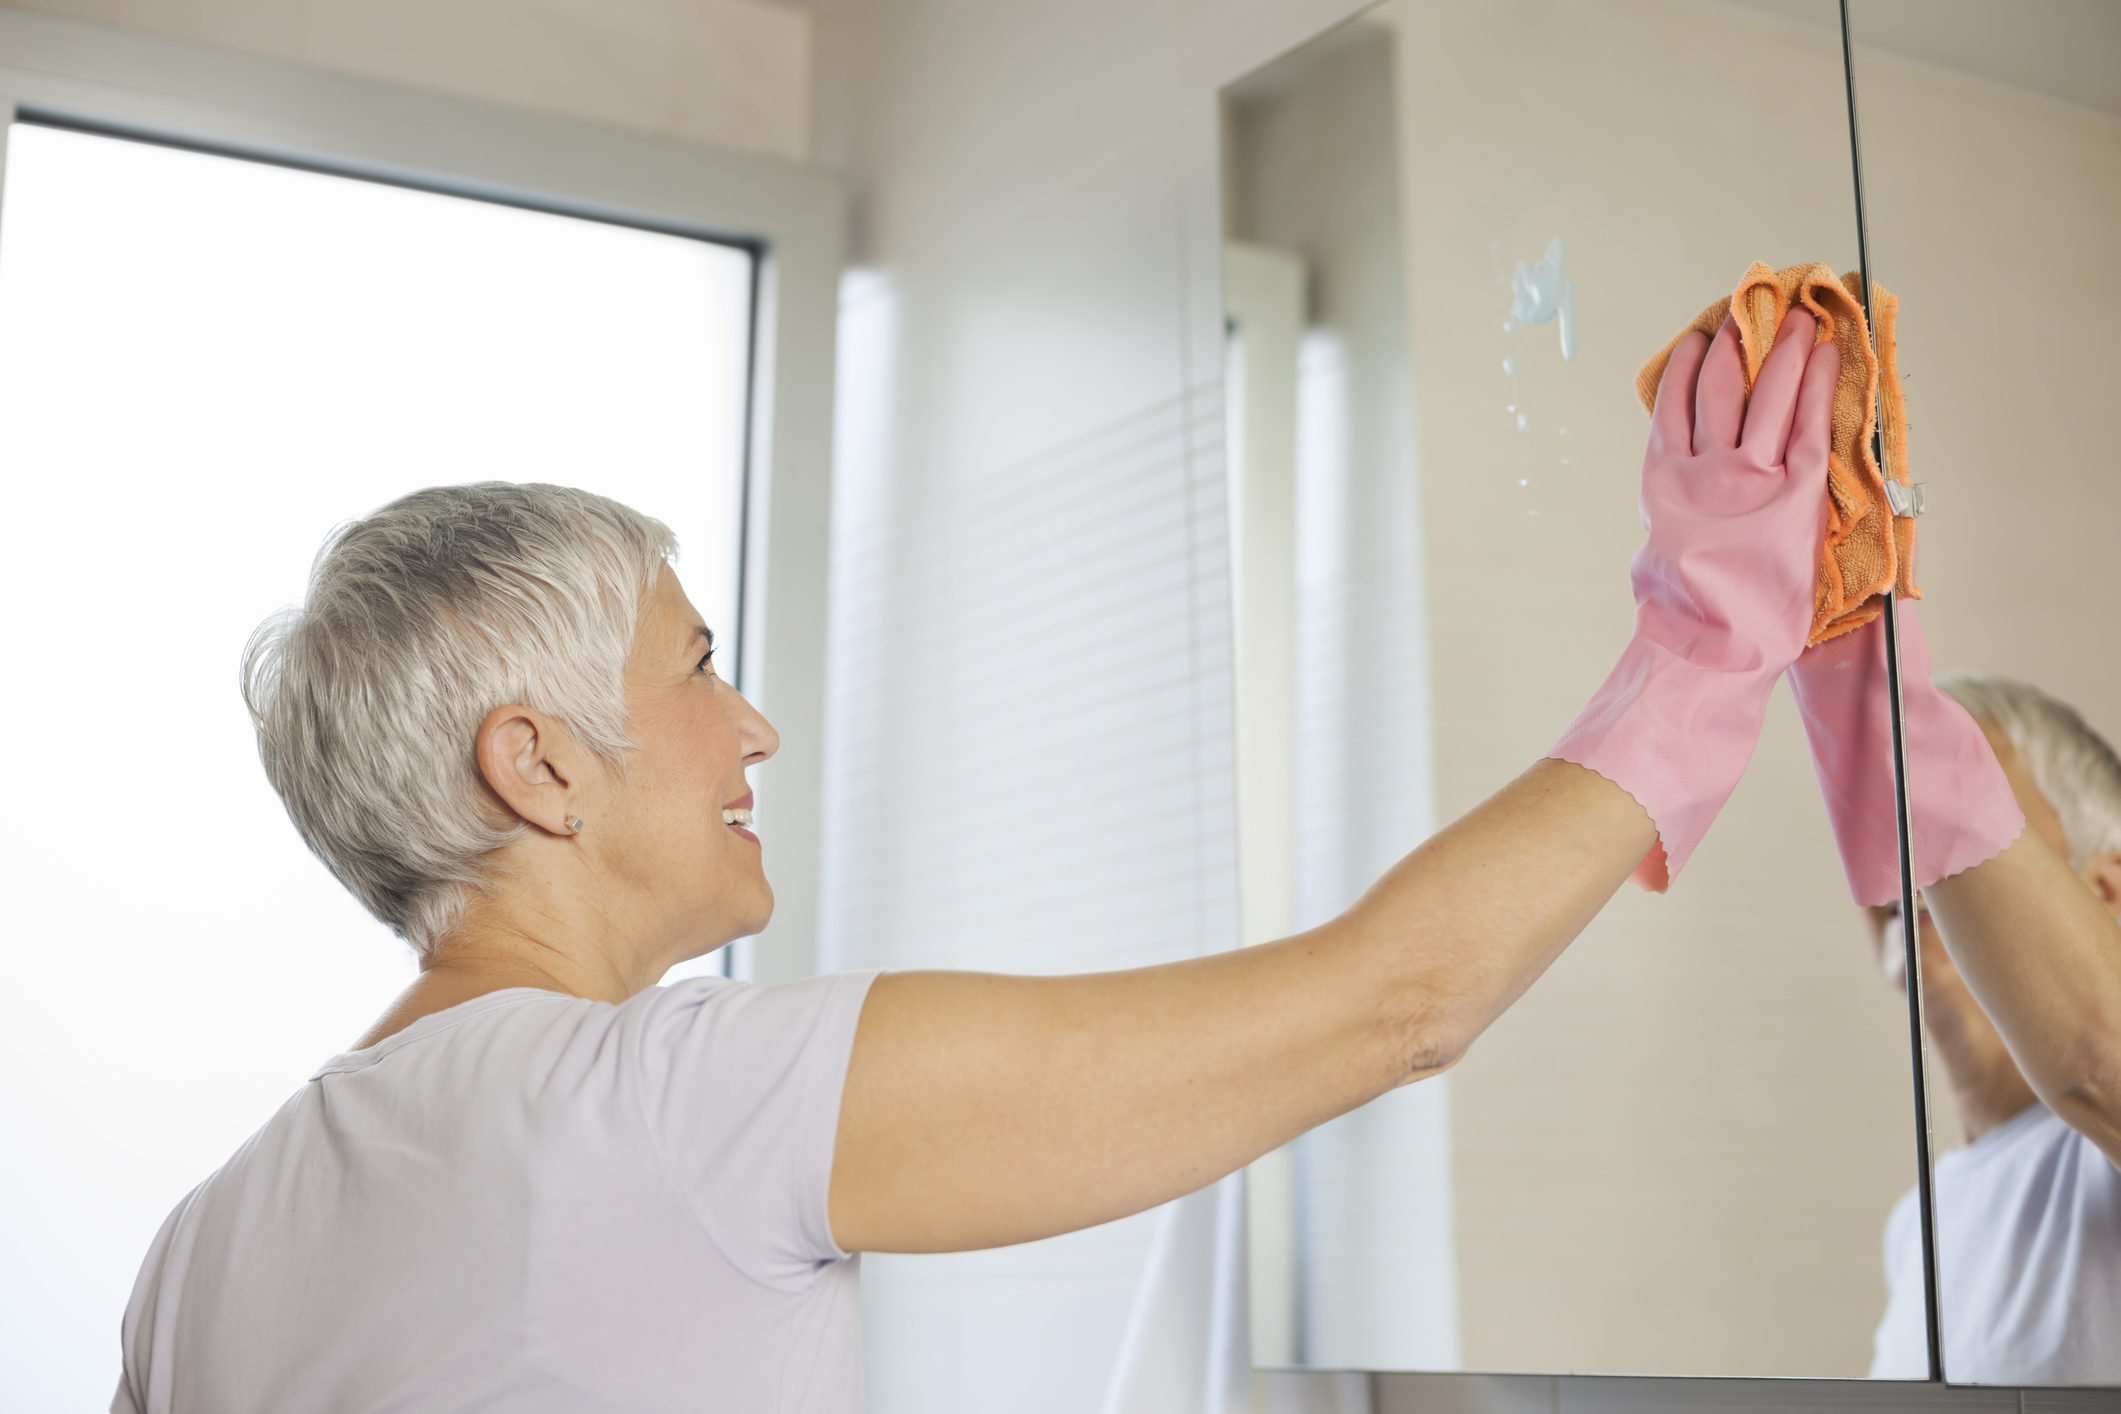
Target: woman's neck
x,y
490,952
1985,1081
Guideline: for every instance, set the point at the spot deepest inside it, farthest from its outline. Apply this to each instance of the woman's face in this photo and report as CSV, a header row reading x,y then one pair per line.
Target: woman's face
x,y
679,845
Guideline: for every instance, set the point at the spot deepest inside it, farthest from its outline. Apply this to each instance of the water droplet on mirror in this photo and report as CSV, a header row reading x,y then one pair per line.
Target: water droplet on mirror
x,y
1521,422
1521,481
1509,363
1509,326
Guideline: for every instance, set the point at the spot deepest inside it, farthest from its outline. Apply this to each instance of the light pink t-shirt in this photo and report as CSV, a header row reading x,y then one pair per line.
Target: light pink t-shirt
x,y
2028,1262
528,1203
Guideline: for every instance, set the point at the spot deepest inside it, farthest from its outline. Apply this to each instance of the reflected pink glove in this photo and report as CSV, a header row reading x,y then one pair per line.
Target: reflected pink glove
x,y
1960,807
1734,498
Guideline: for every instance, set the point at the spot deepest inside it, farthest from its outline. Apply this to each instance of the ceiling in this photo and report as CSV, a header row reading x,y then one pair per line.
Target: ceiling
x,y
2066,49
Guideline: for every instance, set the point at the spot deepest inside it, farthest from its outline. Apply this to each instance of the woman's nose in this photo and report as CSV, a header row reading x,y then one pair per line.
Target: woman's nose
x,y
757,734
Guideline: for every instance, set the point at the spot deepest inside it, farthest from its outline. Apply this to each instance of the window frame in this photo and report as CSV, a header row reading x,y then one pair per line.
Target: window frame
x,y
87,77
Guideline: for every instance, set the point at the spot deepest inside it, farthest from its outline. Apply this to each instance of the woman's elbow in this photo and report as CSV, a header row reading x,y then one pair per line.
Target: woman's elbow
x,y
2089,1100
1428,1038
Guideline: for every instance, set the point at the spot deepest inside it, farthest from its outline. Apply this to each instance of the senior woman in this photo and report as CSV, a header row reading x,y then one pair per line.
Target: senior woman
x,y
543,1182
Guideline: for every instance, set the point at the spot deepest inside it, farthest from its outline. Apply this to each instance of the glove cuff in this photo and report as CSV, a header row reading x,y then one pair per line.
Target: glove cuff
x,y
1960,804
1961,809
1674,735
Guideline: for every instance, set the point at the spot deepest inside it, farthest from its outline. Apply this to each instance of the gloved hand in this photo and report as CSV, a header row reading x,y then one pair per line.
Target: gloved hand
x,y
1960,807
1734,498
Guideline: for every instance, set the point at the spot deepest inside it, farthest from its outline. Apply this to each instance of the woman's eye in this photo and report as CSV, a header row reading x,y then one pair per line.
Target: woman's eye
x,y
706,663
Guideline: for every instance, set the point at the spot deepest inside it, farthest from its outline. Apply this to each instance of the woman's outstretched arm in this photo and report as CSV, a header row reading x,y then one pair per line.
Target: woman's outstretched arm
x,y
2043,957
985,1110
981,1110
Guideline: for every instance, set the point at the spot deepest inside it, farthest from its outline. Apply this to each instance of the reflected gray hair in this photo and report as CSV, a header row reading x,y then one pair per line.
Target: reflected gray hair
x,y
418,621
2073,765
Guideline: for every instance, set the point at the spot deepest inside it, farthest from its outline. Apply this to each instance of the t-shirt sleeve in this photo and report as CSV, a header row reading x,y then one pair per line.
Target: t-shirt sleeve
x,y
741,1087
1900,1346
1900,1234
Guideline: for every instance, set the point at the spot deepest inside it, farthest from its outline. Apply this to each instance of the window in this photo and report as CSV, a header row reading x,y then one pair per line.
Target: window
x,y
205,364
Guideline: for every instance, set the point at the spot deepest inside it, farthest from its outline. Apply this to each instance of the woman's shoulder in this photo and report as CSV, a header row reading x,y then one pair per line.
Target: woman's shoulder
x,y
550,1049
718,1015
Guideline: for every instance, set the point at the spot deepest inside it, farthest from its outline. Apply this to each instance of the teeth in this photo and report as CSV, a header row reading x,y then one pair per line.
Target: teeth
x,y
736,817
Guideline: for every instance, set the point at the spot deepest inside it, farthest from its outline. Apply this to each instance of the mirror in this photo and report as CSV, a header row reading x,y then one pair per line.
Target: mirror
x,y
1992,148
1456,233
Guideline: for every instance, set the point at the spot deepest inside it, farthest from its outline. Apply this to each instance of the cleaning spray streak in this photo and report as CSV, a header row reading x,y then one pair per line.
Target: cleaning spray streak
x,y
1544,291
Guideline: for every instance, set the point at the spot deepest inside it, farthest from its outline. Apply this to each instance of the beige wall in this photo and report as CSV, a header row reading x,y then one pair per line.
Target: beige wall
x,y
1676,1154
733,73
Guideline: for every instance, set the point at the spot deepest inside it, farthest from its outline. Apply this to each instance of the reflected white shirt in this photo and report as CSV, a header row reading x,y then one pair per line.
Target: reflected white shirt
x,y
528,1202
2028,1262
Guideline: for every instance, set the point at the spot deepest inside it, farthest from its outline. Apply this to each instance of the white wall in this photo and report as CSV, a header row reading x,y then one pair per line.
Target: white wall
x,y
732,73
1312,166
1031,612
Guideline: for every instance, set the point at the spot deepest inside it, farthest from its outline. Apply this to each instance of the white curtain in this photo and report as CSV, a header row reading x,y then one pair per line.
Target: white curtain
x,y
1186,1349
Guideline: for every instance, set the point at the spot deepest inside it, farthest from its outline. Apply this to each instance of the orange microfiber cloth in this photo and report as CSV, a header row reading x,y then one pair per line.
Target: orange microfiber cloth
x,y
1868,549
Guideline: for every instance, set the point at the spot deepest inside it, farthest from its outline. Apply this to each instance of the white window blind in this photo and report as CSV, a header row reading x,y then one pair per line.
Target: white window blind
x,y
1027,770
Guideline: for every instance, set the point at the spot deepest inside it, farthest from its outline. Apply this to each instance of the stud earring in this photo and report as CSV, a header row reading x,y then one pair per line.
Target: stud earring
x,y
574,824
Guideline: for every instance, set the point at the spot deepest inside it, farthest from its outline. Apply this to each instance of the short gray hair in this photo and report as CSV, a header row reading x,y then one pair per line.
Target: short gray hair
x,y
420,620
2073,765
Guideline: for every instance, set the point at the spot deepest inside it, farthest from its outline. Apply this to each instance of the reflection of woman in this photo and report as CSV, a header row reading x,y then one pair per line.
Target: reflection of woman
x,y
541,1182
2029,1212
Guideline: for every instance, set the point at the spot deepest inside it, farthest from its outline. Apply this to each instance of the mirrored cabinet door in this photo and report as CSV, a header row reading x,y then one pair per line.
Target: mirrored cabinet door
x,y
1991,141
1456,232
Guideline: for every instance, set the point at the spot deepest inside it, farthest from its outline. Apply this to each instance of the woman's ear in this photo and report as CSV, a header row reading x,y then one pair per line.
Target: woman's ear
x,y
2104,875
527,760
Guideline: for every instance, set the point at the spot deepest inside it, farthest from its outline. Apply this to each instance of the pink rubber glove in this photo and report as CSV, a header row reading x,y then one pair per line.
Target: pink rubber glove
x,y
1735,502
1960,807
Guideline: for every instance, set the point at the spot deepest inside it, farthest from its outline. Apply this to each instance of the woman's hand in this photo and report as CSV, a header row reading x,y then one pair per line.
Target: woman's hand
x,y
1734,497
1960,806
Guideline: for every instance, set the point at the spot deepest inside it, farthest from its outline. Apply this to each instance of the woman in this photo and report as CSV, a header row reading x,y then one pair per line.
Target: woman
x,y
2017,801
540,1182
